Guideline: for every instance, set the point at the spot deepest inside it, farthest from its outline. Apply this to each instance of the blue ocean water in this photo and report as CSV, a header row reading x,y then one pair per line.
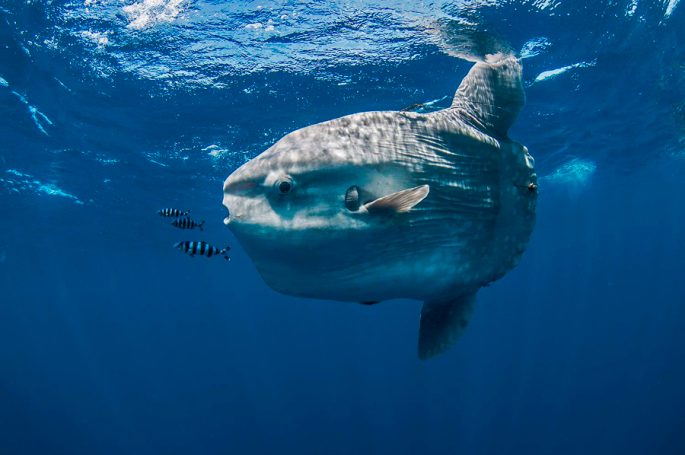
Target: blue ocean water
x,y
113,342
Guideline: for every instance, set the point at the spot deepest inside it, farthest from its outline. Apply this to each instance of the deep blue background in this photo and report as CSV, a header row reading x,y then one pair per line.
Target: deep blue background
x,y
113,342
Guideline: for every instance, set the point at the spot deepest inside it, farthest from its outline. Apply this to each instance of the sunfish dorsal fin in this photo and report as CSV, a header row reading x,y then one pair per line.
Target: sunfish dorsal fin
x,y
443,323
491,95
399,202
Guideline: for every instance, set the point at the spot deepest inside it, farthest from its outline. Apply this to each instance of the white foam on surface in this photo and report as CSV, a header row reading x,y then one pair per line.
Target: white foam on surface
x,y
17,173
62,84
38,117
107,161
3,82
267,27
215,151
19,182
546,4
546,75
632,7
670,6
535,46
574,174
147,13
98,38
53,190
152,160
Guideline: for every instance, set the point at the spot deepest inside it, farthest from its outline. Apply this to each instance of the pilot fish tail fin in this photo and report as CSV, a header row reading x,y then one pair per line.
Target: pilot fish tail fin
x,y
491,95
443,323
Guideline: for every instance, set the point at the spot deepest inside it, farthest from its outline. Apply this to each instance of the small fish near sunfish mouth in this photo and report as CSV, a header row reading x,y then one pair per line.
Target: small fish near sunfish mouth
x,y
203,249
173,213
187,223
385,205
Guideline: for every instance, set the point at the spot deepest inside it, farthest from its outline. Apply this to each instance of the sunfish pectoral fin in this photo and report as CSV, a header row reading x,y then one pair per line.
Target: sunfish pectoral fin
x,y
491,95
443,323
399,202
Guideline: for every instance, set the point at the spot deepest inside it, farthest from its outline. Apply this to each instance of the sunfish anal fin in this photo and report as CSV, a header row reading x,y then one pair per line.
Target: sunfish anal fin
x,y
443,323
491,95
399,202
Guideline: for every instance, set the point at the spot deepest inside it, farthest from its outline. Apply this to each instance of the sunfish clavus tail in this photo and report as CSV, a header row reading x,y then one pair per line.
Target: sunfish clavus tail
x,y
383,205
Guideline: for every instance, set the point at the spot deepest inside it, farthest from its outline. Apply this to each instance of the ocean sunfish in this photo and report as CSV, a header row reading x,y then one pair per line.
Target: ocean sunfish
x,y
384,205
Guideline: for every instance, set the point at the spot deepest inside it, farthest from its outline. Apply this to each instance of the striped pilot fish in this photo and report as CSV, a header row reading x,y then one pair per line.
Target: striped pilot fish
x,y
202,248
168,213
187,223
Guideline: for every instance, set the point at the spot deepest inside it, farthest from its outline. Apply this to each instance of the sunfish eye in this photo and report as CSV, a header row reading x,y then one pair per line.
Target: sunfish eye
x,y
352,198
284,185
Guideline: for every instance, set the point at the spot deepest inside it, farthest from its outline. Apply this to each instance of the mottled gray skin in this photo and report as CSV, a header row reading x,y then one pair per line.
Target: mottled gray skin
x,y
470,230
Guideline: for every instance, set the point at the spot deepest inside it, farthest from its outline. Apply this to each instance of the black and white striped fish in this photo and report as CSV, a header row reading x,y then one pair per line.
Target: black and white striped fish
x,y
202,248
187,223
172,212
